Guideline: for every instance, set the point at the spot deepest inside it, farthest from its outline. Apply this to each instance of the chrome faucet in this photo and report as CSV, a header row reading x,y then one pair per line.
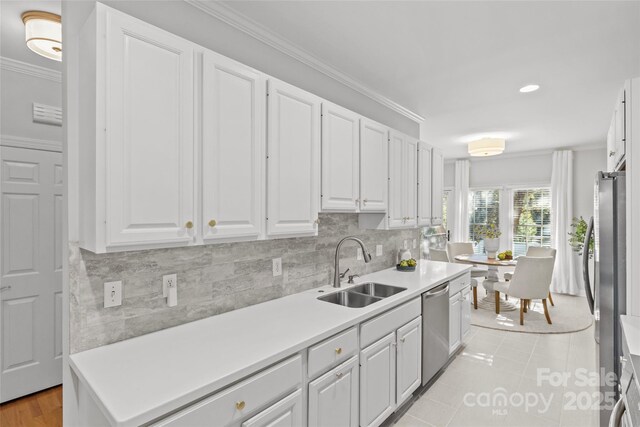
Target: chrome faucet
x,y
337,275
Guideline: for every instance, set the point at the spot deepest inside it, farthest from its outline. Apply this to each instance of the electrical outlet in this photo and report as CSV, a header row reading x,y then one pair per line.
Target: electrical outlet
x,y
359,254
415,243
168,281
405,244
277,267
378,250
112,294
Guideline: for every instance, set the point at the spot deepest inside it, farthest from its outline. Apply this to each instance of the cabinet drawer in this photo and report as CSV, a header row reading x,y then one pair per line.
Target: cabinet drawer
x,y
382,325
247,397
332,351
459,283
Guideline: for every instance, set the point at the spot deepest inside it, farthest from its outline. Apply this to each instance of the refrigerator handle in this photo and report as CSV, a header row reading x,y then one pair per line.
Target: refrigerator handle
x,y
585,264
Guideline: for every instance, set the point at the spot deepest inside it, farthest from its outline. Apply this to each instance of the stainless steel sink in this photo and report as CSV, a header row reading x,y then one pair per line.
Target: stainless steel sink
x,y
376,290
349,299
362,295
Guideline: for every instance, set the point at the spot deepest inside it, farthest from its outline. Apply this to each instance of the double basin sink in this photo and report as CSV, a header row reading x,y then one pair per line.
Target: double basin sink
x,y
362,295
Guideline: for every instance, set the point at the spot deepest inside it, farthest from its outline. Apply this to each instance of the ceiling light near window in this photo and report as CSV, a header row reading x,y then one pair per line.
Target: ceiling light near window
x,y
529,88
43,33
486,147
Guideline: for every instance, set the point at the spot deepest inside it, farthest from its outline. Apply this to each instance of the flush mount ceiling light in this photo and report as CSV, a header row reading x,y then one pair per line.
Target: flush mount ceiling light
x,y
529,88
43,33
486,147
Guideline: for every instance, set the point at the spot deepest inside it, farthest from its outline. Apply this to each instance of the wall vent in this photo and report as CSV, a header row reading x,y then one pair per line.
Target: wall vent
x,y
47,114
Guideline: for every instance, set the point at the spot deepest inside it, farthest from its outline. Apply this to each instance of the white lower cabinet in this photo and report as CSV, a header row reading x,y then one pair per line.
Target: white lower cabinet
x,y
285,413
465,317
333,398
459,317
377,381
409,360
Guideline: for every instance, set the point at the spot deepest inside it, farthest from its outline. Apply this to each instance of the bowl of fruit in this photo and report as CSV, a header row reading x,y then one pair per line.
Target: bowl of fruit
x,y
505,256
407,265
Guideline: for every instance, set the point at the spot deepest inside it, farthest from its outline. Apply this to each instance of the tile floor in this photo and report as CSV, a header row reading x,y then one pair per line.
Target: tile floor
x,y
499,379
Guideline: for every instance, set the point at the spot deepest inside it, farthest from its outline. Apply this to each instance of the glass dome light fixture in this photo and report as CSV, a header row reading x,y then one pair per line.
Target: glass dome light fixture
x,y
486,147
43,33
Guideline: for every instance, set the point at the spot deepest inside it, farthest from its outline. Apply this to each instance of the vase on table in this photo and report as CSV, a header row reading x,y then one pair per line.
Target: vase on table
x,y
491,247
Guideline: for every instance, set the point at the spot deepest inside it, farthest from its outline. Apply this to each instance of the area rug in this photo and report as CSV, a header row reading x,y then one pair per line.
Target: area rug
x,y
570,314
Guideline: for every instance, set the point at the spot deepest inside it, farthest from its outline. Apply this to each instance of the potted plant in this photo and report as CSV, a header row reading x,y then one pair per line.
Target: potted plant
x,y
490,233
577,234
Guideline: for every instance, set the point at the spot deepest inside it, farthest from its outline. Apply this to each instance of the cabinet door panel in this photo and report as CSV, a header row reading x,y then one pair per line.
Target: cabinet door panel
x,y
374,167
437,186
340,158
293,148
396,212
409,371
424,184
285,413
377,381
454,322
149,149
232,149
465,313
411,182
333,398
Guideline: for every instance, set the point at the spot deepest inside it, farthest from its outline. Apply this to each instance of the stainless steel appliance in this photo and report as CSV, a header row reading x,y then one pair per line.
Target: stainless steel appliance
x,y
606,296
435,331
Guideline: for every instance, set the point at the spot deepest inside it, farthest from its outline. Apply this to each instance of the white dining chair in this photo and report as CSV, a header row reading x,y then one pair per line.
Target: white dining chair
x,y
455,249
531,280
537,251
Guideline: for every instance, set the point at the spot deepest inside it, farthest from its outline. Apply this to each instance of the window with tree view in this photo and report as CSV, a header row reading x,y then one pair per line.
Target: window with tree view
x,y
531,219
484,209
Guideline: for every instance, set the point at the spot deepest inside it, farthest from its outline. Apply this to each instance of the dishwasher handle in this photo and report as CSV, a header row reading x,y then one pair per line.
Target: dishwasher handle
x,y
437,291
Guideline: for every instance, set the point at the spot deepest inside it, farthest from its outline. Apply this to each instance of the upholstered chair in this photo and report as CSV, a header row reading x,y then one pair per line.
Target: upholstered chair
x,y
466,248
537,251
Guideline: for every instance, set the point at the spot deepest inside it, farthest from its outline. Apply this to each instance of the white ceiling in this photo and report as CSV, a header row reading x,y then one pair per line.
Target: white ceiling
x,y
12,44
460,64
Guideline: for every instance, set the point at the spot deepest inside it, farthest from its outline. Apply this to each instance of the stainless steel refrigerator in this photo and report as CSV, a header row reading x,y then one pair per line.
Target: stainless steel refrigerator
x,y
606,293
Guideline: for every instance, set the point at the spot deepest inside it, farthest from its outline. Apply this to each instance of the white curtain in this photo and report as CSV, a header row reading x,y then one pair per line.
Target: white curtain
x,y
461,202
564,274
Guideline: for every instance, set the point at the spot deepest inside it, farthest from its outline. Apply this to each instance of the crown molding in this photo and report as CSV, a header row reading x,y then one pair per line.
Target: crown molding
x,y
245,24
30,143
14,65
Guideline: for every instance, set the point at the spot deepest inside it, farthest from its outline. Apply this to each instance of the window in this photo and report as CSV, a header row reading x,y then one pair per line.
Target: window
x,y
484,209
531,219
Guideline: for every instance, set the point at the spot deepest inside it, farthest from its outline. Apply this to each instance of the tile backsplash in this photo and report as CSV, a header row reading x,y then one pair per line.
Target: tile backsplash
x,y
212,279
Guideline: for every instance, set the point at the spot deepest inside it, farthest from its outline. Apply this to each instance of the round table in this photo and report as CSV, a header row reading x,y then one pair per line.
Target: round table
x,y
489,302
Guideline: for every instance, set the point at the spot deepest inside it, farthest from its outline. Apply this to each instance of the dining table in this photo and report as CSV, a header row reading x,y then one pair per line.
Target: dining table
x,y
493,264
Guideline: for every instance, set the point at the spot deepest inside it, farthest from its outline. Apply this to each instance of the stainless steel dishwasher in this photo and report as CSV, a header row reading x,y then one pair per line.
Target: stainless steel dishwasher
x,y
435,331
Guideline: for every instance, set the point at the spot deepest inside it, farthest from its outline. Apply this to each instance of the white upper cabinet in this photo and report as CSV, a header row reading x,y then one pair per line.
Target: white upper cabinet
x,y
293,149
403,178
437,183
424,183
616,138
233,149
149,145
340,158
374,167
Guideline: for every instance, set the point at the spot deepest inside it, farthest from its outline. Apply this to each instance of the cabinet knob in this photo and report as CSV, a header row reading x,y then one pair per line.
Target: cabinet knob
x,y
339,374
339,350
365,201
189,225
317,221
212,223
240,405
402,339
612,153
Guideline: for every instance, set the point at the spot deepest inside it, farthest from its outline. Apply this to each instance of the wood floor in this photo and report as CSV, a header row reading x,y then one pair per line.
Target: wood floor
x,y
39,409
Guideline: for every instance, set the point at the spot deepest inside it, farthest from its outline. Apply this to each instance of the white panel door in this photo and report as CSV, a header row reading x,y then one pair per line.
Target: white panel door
x,y
150,146
424,183
31,285
293,150
286,413
411,182
233,149
396,212
378,381
374,166
340,159
437,182
409,359
333,398
454,322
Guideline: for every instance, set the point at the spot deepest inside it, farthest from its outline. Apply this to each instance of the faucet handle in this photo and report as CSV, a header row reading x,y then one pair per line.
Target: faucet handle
x,y
344,274
350,281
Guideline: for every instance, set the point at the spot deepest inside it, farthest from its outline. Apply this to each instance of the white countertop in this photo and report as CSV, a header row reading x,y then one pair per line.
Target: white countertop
x,y
143,378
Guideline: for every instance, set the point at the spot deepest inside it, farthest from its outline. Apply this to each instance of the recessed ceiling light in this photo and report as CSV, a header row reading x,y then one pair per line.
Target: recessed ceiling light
x,y
529,88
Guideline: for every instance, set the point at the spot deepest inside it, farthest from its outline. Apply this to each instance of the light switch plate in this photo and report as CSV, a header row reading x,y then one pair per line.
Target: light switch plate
x,y
168,280
415,243
277,267
112,294
378,250
359,254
